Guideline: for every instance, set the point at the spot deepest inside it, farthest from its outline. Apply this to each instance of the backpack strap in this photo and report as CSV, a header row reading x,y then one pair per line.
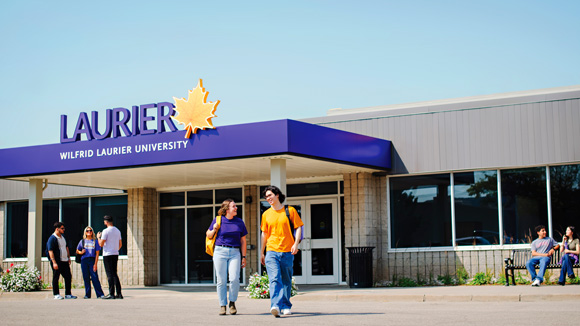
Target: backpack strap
x,y
290,221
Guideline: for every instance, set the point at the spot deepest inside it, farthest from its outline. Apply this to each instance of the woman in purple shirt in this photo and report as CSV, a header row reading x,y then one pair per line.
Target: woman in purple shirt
x,y
229,253
89,248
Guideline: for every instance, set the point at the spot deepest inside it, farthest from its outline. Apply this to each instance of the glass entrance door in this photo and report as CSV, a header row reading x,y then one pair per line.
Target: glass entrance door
x,y
317,262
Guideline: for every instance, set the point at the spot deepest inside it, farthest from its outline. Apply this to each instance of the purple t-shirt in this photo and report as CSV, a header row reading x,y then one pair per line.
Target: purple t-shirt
x,y
230,232
91,246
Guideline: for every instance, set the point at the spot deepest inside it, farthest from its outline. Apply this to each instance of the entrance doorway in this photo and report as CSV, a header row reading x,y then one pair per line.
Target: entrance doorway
x,y
317,262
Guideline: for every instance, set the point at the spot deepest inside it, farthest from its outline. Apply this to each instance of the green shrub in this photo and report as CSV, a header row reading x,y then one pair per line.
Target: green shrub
x,y
500,279
522,279
446,279
548,277
575,280
259,286
420,280
405,282
461,275
482,278
20,279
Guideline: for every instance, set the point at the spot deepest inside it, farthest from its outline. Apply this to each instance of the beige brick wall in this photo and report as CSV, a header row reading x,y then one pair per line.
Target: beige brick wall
x,y
428,265
142,223
365,217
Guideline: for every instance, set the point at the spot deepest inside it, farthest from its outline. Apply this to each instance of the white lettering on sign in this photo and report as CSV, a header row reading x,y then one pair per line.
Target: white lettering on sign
x,y
124,150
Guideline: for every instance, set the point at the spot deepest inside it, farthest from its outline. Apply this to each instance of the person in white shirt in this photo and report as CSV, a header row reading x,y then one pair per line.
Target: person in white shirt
x,y
110,241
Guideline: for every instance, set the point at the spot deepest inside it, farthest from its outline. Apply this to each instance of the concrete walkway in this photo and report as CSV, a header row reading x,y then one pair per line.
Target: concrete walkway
x,y
314,305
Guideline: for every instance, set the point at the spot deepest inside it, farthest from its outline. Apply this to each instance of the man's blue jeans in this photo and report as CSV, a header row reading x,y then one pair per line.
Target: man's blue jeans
x,y
227,261
279,266
531,266
566,268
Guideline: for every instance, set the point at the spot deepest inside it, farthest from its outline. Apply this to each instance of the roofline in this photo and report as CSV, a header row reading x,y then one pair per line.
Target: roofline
x,y
461,100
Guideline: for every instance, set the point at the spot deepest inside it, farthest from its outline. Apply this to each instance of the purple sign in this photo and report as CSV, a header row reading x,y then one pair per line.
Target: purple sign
x,y
118,122
228,142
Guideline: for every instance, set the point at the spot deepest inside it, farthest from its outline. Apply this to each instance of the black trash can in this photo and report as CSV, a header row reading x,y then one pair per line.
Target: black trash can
x,y
360,269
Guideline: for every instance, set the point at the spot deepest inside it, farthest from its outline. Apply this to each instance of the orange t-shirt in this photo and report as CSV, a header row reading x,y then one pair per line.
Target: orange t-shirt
x,y
276,226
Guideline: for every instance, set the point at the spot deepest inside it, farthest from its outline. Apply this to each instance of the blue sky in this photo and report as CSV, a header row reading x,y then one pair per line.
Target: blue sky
x,y
268,60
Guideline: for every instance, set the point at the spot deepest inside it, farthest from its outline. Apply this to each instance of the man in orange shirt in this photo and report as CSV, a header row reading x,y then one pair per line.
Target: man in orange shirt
x,y
281,245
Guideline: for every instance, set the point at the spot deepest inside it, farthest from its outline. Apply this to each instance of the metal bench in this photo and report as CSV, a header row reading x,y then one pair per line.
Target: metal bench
x,y
519,258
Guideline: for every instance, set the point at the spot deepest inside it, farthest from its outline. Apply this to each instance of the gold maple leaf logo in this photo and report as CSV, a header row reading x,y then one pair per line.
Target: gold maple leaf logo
x,y
195,113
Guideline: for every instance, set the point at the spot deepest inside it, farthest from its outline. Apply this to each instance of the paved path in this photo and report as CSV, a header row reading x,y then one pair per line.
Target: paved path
x,y
315,305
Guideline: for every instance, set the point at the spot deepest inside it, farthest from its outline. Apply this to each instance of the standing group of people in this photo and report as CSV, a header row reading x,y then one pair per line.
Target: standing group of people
x,y
279,245
109,241
544,247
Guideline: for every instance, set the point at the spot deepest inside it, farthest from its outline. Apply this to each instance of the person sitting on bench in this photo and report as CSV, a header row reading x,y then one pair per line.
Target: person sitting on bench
x,y
542,250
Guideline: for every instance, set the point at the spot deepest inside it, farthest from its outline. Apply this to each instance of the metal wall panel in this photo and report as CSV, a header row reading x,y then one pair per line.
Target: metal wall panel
x,y
513,135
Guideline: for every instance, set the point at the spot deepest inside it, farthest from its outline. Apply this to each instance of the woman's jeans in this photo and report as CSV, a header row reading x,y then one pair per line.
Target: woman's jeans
x,y
88,275
566,268
227,260
279,266
531,266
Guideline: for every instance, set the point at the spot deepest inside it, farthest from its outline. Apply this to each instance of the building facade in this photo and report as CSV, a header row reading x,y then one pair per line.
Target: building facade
x,y
464,182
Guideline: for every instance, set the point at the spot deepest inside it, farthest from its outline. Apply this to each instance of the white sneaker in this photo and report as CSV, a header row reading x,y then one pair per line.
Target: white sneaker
x,y
58,297
536,282
275,311
286,312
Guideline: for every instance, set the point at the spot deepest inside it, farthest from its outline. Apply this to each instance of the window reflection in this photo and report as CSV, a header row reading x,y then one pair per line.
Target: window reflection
x,y
17,230
50,215
476,209
75,216
565,194
172,246
200,264
524,204
116,207
421,211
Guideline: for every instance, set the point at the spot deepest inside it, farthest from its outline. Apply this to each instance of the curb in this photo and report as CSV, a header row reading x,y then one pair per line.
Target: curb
x,y
437,298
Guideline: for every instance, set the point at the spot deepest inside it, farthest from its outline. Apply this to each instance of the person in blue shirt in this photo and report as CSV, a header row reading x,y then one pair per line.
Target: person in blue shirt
x,y
229,254
59,260
89,247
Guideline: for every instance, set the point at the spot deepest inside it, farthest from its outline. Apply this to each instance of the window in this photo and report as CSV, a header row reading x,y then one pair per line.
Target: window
x,y
172,246
171,199
565,194
203,197
234,194
420,211
17,230
75,216
184,219
114,206
476,209
524,204
200,264
50,215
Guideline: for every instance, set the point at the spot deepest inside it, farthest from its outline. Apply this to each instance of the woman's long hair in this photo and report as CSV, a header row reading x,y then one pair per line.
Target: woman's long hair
x,y
85,233
573,233
225,205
